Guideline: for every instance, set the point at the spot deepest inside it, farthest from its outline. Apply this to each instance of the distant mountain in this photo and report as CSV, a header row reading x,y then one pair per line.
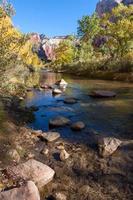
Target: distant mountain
x,y
104,6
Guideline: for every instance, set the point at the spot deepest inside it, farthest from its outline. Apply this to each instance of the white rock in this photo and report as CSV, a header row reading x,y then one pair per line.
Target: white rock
x,y
64,155
62,83
56,91
108,145
26,192
33,170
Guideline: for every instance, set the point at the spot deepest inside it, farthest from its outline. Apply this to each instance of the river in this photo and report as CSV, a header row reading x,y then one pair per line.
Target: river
x,y
110,117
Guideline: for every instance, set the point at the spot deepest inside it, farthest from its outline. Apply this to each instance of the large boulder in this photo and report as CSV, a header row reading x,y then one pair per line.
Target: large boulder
x,y
107,146
104,6
33,170
26,192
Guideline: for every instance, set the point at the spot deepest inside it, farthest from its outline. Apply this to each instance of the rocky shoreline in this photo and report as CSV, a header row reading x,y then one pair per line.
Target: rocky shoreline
x,y
100,168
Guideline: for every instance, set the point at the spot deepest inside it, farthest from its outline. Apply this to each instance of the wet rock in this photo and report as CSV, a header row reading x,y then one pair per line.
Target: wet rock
x,y
60,196
62,83
56,91
78,126
102,94
26,192
64,155
108,145
45,86
70,101
33,170
59,121
14,155
51,136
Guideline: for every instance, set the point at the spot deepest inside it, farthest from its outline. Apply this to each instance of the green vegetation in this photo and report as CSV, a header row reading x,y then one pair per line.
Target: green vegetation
x,y
104,44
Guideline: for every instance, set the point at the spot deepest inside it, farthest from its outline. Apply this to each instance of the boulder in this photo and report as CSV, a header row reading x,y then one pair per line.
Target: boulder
x,y
27,192
78,126
56,91
107,146
70,101
33,170
51,136
59,121
102,94
64,155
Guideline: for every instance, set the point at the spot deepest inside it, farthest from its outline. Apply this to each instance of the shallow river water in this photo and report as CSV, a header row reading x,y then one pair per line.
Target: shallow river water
x,y
110,117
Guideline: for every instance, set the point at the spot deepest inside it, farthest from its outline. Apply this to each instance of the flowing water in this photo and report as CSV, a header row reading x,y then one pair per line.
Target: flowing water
x,y
110,117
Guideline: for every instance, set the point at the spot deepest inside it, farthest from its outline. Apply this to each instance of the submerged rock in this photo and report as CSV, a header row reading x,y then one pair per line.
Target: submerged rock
x,y
26,192
102,94
70,101
64,155
108,145
33,170
59,121
78,126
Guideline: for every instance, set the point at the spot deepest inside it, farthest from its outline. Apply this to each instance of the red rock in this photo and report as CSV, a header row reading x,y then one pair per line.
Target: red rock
x,y
26,192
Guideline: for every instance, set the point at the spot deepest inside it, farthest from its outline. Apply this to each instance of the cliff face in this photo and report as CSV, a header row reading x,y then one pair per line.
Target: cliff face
x,y
107,5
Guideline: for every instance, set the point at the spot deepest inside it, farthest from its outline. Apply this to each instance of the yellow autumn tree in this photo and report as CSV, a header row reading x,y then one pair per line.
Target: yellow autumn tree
x,y
64,53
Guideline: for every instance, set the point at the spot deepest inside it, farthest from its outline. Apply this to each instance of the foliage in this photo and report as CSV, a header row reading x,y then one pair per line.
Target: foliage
x,y
16,53
118,29
64,53
89,27
106,43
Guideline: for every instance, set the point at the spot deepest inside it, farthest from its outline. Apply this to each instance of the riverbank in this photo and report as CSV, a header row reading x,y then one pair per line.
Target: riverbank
x,y
101,75
85,174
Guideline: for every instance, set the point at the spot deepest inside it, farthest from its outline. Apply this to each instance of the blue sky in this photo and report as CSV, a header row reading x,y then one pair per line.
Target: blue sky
x,y
51,17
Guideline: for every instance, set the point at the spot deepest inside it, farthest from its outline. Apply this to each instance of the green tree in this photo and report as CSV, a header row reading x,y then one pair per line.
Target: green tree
x,y
118,30
89,27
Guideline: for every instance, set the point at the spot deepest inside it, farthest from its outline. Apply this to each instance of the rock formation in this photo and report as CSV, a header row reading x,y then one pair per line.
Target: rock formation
x,y
107,5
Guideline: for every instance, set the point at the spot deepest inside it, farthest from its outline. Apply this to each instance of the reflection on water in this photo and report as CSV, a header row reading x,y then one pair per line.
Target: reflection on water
x,y
107,116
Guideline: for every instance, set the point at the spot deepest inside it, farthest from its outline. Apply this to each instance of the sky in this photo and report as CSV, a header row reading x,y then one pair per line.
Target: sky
x,y
51,17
